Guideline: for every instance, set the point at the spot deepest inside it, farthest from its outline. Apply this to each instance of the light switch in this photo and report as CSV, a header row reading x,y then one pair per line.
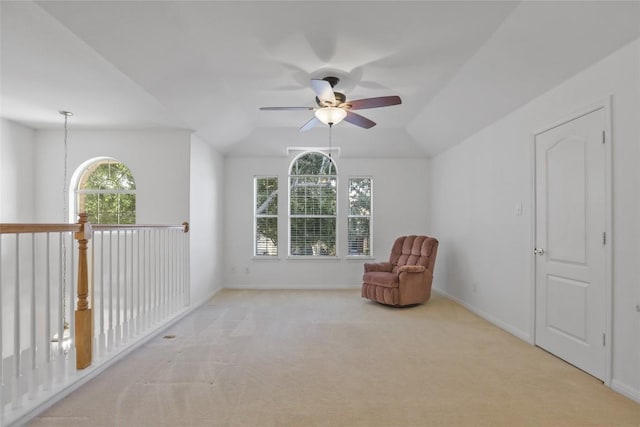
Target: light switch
x,y
519,209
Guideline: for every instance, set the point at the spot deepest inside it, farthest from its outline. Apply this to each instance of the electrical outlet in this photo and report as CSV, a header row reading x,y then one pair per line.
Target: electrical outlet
x,y
519,209
474,287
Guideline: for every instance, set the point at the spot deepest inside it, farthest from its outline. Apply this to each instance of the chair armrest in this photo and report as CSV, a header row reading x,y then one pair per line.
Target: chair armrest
x,y
412,269
377,266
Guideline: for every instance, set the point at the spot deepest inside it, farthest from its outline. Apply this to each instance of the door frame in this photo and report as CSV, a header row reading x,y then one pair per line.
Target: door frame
x,y
605,105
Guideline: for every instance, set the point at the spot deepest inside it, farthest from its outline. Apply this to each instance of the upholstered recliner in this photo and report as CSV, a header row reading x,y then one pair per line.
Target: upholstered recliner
x,y
406,278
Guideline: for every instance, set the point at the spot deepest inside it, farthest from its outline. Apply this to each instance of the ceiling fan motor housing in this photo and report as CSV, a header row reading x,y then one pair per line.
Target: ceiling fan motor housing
x,y
333,81
340,99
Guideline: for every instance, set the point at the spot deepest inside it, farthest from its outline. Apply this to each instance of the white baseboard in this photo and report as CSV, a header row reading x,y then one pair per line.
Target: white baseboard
x,y
486,316
296,287
616,385
626,390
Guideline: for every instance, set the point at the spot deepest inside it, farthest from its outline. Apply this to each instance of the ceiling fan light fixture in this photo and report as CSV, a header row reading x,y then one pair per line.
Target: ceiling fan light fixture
x,y
331,115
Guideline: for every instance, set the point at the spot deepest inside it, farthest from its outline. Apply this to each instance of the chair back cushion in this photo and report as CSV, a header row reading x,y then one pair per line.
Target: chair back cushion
x,y
414,250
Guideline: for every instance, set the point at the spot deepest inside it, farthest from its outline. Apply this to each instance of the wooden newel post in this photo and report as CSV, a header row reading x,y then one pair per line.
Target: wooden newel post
x,y
84,318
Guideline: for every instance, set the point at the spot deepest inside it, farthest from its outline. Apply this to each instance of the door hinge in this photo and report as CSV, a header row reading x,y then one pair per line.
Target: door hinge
x,y
604,237
604,340
604,138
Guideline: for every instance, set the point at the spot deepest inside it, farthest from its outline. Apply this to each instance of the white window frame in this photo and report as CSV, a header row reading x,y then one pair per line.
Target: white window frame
x,y
370,217
75,191
335,217
256,216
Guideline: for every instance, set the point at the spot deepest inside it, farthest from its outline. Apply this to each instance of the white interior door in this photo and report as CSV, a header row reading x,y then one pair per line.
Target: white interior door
x,y
570,242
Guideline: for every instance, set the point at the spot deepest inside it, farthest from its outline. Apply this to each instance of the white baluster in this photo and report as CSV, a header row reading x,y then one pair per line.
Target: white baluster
x,y
111,330
33,377
16,392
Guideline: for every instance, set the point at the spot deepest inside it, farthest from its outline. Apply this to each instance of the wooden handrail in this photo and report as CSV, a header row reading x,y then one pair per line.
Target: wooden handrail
x,y
12,228
106,227
15,228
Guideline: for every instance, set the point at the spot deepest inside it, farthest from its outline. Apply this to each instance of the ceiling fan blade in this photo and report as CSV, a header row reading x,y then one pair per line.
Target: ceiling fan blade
x,y
381,101
358,120
310,124
323,91
286,108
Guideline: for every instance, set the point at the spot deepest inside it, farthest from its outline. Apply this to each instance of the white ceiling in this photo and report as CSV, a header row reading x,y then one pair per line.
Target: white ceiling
x,y
208,66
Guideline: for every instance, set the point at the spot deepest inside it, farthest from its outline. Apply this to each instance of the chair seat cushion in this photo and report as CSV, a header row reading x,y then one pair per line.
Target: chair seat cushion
x,y
381,278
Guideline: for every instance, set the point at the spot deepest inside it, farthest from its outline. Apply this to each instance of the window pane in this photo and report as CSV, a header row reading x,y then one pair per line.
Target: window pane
x,y
313,164
90,206
108,175
109,208
267,236
127,209
266,216
313,236
313,196
267,196
359,236
360,196
298,196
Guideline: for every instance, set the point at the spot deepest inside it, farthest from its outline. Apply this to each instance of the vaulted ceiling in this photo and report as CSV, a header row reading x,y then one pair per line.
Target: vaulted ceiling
x,y
207,66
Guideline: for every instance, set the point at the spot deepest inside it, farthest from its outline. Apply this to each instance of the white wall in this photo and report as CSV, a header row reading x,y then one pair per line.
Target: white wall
x,y
206,203
17,202
400,204
485,251
159,161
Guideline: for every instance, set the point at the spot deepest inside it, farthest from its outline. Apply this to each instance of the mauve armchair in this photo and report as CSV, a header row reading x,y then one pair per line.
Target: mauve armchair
x,y
407,277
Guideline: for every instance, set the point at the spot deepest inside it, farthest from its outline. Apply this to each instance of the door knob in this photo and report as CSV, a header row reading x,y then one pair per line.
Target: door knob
x,y
538,251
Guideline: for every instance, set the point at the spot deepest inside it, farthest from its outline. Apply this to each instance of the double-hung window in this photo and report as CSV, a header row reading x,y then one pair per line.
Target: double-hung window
x,y
266,216
312,206
359,220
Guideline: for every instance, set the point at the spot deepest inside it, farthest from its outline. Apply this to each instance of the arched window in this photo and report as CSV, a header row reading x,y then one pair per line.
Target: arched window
x,y
312,205
106,191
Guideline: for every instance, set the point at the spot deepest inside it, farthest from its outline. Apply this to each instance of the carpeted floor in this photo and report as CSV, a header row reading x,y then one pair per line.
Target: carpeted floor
x,y
330,358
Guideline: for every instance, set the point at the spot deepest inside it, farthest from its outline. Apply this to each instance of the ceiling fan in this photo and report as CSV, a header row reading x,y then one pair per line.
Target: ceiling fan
x,y
333,107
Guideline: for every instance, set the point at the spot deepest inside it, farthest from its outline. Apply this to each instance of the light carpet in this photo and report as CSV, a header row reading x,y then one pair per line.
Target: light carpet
x,y
330,358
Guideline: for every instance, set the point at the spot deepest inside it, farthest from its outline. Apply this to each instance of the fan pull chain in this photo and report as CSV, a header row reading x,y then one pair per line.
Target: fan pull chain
x,y
65,219
330,128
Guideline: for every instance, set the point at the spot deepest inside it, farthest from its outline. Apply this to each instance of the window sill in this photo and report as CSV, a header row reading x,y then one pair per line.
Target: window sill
x,y
360,258
314,258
